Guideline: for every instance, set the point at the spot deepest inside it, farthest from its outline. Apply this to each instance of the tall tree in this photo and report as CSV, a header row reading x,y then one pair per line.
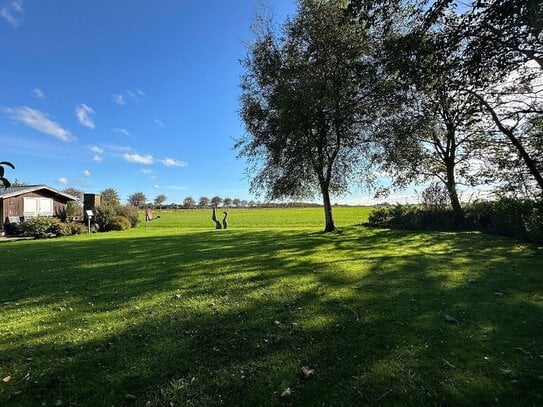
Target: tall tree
x,y
203,201
227,202
159,200
308,97
503,54
236,202
216,201
137,199
189,202
110,196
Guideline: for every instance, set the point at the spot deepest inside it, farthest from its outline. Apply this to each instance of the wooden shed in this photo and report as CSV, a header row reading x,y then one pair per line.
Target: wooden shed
x,y
30,201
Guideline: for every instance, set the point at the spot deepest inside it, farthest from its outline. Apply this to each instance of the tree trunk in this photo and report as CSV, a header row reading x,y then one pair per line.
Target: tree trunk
x,y
453,194
329,220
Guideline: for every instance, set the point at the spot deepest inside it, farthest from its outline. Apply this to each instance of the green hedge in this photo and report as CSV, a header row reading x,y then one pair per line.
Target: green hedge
x,y
518,218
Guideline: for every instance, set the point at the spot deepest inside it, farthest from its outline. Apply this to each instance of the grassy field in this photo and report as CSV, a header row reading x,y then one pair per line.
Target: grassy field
x,y
179,314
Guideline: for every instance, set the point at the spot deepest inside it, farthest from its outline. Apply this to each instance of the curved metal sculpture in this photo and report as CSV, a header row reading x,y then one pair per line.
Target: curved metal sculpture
x,y
214,218
224,221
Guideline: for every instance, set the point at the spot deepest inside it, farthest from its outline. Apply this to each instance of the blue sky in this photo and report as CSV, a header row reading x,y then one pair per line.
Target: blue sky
x,y
134,95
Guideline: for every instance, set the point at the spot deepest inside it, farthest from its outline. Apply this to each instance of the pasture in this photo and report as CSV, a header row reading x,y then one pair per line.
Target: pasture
x,y
180,314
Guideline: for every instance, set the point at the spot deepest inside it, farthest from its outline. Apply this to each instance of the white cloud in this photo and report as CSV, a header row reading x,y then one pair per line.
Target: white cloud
x,y
128,96
159,123
84,113
177,187
157,186
63,181
39,121
87,173
119,99
146,170
96,149
172,162
139,159
98,159
12,11
38,93
122,131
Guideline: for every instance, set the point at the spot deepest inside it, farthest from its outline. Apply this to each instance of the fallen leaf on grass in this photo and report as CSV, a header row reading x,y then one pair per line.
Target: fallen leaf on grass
x,y
307,372
523,351
286,393
449,364
506,372
450,319
6,379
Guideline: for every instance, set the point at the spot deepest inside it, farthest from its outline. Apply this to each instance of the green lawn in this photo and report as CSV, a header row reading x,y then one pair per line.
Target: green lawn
x,y
181,314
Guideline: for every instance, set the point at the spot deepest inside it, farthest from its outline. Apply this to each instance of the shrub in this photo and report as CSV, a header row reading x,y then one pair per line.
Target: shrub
x,y
71,228
119,223
129,212
518,218
103,216
40,227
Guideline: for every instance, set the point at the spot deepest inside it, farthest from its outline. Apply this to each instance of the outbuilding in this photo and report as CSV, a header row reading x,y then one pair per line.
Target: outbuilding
x,y
24,202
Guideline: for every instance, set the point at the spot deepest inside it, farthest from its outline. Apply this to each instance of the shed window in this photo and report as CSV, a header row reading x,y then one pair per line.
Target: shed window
x,y
38,207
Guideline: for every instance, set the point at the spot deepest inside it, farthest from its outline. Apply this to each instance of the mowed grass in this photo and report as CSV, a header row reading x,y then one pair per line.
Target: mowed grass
x,y
179,314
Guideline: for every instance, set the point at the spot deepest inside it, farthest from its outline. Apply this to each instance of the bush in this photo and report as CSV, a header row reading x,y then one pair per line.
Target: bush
x,y
129,212
103,216
71,228
120,223
518,218
40,227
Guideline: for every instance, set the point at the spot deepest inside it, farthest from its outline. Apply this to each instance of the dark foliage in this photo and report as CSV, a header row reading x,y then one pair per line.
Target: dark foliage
x,y
521,219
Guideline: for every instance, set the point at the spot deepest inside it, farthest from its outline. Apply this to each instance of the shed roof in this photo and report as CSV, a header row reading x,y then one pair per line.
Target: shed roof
x,y
10,192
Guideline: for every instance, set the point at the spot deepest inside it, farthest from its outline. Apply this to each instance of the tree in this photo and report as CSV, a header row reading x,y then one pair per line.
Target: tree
x,y
74,192
308,99
137,199
4,181
203,201
434,133
216,201
189,202
159,200
236,202
110,196
227,202
19,183
503,54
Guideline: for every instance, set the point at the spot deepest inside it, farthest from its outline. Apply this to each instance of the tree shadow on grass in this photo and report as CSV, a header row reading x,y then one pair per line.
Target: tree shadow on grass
x,y
190,319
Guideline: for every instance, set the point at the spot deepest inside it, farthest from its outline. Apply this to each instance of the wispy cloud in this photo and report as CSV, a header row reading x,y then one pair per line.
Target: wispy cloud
x,y
157,186
119,99
159,123
96,149
86,173
122,131
84,113
39,121
12,11
128,96
146,170
38,93
172,162
139,159
98,158
63,181
118,148
177,187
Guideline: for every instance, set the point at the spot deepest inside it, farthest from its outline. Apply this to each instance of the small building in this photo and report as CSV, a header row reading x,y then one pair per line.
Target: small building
x,y
29,201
